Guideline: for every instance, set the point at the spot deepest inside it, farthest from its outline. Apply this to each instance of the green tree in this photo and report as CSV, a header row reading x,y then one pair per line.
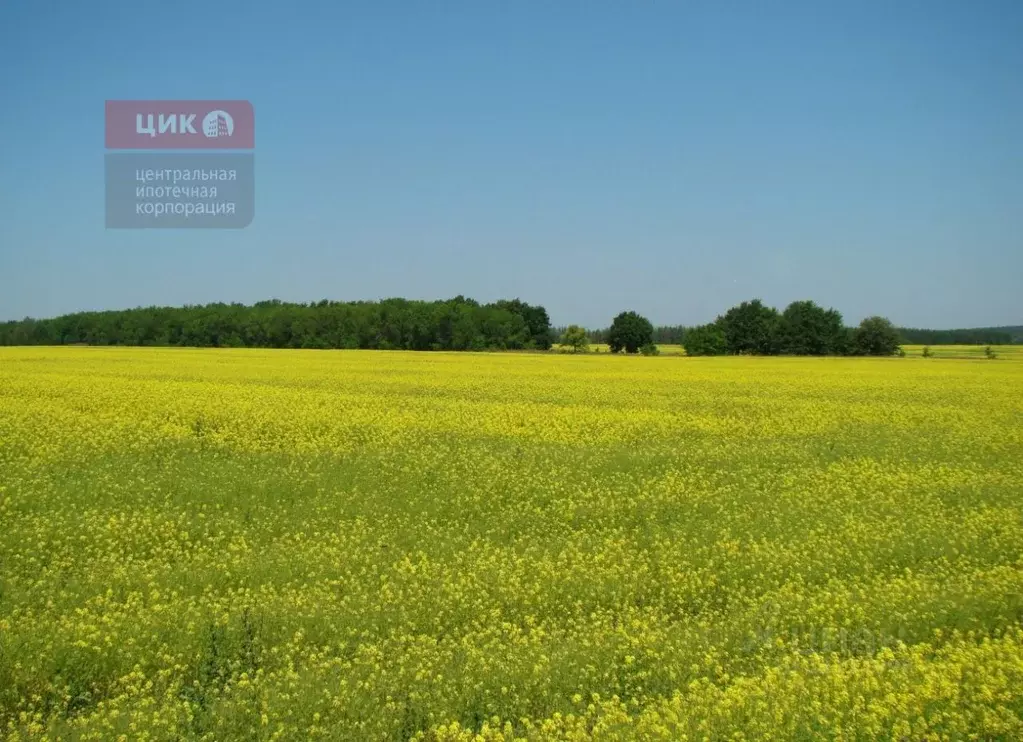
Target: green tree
x,y
629,332
576,338
806,329
537,322
705,340
750,327
875,336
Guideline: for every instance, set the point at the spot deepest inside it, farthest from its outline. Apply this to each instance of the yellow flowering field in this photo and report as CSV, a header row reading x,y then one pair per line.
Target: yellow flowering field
x,y
295,545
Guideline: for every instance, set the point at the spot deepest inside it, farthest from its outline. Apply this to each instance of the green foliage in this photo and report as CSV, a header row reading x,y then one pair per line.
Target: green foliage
x,y
663,334
538,324
629,332
989,353
670,334
706,340
875,336
927,353
650,349
806,329
576,338
973,336
391,324
751,328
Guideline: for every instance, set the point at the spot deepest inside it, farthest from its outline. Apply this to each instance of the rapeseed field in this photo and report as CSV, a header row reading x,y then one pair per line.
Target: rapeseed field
x,y
302,545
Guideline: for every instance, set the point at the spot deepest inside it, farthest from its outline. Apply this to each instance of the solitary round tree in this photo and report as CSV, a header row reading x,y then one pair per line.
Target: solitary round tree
x,y
629,332
576,338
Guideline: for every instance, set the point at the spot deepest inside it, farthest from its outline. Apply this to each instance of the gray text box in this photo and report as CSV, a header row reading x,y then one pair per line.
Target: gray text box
x,y
170,190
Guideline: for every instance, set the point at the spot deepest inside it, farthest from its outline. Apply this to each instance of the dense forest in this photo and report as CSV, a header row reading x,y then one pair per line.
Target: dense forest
x,y
391,324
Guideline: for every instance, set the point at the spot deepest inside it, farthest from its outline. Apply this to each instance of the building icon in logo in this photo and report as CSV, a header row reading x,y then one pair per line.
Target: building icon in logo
x,y
218,124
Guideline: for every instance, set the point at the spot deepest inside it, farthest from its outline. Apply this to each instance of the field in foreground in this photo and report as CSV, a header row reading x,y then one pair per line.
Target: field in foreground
x,y
299,545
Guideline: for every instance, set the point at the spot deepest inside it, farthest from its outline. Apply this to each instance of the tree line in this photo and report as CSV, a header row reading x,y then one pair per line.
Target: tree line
x,y
391,324
803,328
676,335
750,328
976,336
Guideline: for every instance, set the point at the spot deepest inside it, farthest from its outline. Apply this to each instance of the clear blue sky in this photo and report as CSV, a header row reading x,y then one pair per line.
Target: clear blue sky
x,y
673,158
